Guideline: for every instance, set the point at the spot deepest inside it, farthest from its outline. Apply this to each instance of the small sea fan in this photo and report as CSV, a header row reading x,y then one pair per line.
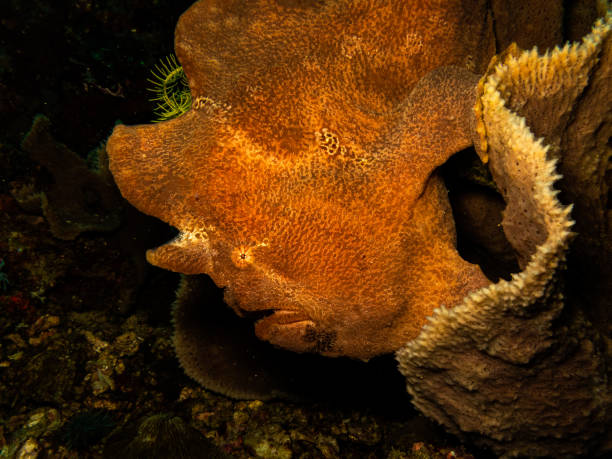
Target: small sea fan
x,y
87,428
160,436
172,95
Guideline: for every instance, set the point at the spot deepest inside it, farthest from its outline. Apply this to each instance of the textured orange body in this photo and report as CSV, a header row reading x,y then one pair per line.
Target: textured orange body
x,y
303,178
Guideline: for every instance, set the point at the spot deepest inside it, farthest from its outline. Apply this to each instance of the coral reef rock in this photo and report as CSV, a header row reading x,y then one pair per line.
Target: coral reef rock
x,y
79,198
518,366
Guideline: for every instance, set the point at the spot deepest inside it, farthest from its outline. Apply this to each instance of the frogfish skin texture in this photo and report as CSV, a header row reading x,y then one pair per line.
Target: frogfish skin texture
x,y
303,180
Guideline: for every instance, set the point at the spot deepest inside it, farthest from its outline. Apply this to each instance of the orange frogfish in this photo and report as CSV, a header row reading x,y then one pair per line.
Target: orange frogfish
x,y
303,179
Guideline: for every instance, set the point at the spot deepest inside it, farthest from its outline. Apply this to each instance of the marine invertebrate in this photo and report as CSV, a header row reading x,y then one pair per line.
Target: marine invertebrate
x,y
87,428
529,371
161,436
169,84
79,198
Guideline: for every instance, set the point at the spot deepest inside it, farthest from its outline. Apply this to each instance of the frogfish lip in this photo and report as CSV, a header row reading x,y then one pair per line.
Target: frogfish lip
x,y
285,328
277,315
270,319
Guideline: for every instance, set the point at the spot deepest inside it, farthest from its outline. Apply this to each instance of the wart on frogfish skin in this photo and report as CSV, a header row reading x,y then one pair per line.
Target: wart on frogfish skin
x,y
330,144
208,104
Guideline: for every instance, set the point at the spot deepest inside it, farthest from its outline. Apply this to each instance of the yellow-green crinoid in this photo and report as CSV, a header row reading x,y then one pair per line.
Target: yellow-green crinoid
x,y
172,95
